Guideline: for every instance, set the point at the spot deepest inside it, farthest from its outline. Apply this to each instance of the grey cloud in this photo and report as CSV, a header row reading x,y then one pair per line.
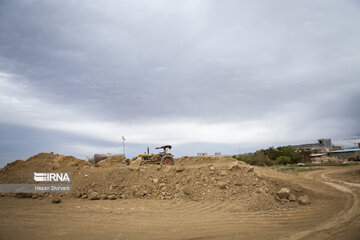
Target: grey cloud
x,y
211,61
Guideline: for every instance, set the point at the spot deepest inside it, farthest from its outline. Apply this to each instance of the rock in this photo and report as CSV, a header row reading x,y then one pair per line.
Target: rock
x,y
84,196
158,167
179,169
223,173
222,185
283,193
94,196
56,200
155,181
138,194
111,197
78,195
24,195
250,169
292,198
304,200
103,196
113,186
234,167
212,168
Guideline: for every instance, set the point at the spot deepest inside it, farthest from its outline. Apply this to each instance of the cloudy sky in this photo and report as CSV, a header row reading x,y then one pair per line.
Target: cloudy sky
x,y
204,76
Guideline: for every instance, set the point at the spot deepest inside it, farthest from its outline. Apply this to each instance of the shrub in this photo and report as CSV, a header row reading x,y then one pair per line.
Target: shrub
x,y
283,160
260,159
244,158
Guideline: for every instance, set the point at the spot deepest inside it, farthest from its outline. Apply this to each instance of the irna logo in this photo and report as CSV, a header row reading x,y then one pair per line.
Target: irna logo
x,y
52,177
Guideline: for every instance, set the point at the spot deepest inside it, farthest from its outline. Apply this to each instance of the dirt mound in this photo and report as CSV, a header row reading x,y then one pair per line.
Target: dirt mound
x,y
191,178
112,160
23,171
204,161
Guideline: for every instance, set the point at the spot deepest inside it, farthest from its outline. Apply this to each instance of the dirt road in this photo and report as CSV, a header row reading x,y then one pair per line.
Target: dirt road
x,y
335,215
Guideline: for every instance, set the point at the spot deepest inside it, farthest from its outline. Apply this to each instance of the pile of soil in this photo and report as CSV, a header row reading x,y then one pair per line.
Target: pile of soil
x,y
191,178
23,171
204,161
112,160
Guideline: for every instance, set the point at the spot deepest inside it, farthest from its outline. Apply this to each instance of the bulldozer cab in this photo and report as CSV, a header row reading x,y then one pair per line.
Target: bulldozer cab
x,y
165,147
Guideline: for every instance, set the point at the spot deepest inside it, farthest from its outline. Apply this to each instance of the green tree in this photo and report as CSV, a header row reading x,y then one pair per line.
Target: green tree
x,y
272,153
283,160
260,159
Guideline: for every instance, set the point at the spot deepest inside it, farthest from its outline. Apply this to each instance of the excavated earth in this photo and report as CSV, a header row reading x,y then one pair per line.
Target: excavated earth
x,y
198,197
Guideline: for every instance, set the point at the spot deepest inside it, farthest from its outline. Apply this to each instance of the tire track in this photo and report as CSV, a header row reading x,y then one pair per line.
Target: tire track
x,y
344,216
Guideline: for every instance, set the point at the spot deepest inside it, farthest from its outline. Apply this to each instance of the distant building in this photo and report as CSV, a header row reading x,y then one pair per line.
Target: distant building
x,y
337,156
349,154
323,145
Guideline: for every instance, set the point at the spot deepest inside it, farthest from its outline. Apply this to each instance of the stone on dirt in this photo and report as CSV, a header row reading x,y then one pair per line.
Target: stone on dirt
x,y
250,169
292,198
223,173
111,197
94,196
304,200
78,195
56,200
234,167
24,195
283,193
222,185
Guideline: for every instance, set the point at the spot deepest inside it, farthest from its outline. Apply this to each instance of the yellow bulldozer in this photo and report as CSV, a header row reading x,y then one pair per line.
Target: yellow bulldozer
x,y
163,158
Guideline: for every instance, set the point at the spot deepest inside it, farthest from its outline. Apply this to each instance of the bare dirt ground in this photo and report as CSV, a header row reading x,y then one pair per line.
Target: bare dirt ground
x,y
246,207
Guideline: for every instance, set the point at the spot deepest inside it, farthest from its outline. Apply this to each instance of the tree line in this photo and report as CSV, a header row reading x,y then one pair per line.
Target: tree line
x,y
276,156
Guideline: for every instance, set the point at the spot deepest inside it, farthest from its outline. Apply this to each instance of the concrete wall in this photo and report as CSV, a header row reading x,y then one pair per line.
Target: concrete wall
x,y
346,155
322,145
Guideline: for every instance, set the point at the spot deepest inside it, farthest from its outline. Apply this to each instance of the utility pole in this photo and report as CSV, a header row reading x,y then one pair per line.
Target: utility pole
x,y
123,145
